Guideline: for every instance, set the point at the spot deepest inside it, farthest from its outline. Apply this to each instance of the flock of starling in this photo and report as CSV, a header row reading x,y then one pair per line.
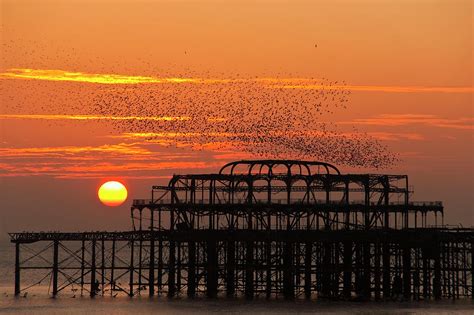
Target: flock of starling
x,y
265,117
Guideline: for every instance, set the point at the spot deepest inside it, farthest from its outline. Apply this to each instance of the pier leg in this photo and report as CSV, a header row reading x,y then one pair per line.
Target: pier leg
x,y
386,285
93,287
347,262
425,277
326,270
191,269
112,269
367,275
230,275
55,267
83,250
377,271
212,272
437,277
288,280
268,256
472,270
172,270
151,270
307,270
102,266
407,273
17,269
131,269
249,268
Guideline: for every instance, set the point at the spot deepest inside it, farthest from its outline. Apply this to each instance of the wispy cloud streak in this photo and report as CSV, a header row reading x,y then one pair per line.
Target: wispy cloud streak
x,y
463,123
274,83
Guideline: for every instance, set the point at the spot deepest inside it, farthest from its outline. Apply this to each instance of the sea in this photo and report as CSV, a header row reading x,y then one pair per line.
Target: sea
x,y
37,301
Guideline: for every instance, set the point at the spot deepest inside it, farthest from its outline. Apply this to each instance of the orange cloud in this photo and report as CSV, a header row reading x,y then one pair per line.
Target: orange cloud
x,y
407,119
61,75
89,117
275,83
378,88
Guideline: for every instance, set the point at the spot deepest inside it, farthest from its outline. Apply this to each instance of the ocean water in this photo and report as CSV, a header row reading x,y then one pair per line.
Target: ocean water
x,y
37,301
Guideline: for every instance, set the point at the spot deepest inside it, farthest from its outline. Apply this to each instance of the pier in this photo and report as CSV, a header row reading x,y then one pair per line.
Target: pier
x,y
263,229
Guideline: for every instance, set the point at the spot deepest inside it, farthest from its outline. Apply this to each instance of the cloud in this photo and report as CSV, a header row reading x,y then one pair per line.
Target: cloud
x,y
274,83
90,117
464,123
121,148
381,88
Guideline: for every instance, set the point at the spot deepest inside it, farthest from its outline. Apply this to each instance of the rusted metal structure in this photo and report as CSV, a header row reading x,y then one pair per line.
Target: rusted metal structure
x,y
267,228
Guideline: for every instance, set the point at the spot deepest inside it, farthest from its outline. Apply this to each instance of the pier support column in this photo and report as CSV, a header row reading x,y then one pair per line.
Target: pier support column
x,y
377,271
386,285
249,268
172,270
131,268
326,270
437,277
366,273
93,287
307,269
230,274
472,270
191,269
407,273
151,271
55,267
212,269
288,277
347,263
17,269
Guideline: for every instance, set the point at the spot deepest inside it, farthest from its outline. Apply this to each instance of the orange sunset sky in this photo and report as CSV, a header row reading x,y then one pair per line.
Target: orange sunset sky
x,y
75,75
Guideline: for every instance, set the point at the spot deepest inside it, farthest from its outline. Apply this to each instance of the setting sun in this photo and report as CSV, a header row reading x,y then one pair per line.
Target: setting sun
x,y
112,193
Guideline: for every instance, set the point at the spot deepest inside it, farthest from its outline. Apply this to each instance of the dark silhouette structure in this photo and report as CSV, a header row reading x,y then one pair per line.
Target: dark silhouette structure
x,y
266,228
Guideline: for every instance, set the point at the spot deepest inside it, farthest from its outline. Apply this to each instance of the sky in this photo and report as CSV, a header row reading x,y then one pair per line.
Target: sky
x,y
137,91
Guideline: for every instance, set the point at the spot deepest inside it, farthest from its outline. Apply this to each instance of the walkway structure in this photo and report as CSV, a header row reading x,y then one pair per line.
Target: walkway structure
x,y
266,228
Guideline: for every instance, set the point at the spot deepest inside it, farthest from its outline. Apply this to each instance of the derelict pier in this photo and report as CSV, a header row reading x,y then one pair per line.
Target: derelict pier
x,y
267,228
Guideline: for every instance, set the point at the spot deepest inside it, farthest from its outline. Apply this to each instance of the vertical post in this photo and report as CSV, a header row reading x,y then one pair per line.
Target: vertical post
x,y
307,269
288,277
93,287
326,269
140,263
366,273
131,268
112,269
212,272
407,273
268,258
151,270
17,269
347,263
472,270
83,249
171,269
103,265
425,275
386,286
437,275
191,269
230,275
249,270
55,267
377,271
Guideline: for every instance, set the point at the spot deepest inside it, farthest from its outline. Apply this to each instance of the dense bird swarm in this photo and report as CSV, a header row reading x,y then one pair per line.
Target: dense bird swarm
x,y
272,118
264,117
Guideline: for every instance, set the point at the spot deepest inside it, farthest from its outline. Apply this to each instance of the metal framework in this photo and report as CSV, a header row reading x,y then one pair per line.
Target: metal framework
x,y
266,228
